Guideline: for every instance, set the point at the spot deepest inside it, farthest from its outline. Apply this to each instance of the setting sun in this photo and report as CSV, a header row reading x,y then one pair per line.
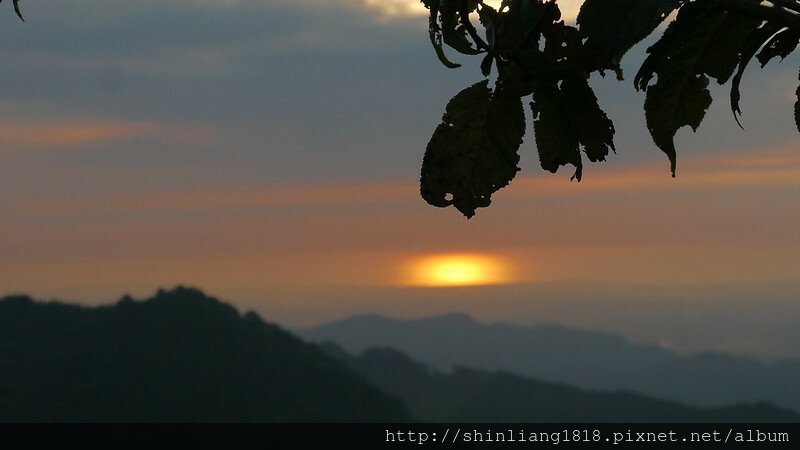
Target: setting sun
x,y
457,270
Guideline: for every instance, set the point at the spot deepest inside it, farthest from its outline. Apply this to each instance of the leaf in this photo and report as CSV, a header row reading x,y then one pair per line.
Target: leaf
x,y
612,27
595,130
756,39
453,32
520,20
474,151
701,42
721,54
436,40
562,42
530,67
566,118
781,45
556,140
491,21
672,104
435,33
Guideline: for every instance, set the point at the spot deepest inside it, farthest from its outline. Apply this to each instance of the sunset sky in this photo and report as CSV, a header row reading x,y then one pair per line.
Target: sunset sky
x,y
268,152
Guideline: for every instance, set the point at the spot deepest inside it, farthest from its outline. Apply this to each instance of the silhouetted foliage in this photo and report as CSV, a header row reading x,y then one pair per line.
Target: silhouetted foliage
x,y
179,356
474,151
470,395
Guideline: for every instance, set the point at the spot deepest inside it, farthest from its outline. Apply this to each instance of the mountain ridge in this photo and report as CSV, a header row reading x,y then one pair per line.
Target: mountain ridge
x,y
588,359
180,356
470,395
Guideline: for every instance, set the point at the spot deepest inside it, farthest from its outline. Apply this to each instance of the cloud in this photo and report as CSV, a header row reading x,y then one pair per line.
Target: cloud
x,y
62,134
777,168
16,135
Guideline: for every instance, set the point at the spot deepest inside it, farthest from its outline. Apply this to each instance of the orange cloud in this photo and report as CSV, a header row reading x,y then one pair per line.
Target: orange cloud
x,y
768,168
777,168
68,134
62,134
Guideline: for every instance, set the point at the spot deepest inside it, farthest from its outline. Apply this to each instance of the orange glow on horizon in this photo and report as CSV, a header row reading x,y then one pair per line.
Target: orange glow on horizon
x,y
458,270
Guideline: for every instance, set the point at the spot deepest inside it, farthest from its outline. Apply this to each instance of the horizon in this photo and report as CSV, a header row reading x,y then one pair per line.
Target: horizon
x,y
652,333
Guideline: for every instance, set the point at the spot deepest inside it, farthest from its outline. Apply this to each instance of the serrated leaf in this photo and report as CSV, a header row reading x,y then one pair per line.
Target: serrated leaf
x,y
701,42
453,32
562,42
720,55
474,151
595,130
531,66
780,45
755,41
566,118
556,139
491,21
674,103
612,27
436,40
435,33
703,39
520,22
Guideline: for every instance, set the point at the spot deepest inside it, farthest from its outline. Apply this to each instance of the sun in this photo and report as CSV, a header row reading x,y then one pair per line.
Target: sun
x,y
457,270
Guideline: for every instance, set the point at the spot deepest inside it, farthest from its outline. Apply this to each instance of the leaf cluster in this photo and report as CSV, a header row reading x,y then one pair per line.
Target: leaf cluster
x,y
474,151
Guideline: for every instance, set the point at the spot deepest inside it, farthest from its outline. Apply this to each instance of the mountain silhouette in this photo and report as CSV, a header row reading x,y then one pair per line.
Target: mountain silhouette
x,y
182,356
587,359
178,357
469,395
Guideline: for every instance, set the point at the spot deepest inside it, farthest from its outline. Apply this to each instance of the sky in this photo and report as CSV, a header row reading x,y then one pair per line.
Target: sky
x,y
268,152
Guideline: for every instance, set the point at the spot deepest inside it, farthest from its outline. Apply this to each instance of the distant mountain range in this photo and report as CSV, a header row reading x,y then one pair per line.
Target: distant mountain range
x,y
469,395
182,356
591,360
177,357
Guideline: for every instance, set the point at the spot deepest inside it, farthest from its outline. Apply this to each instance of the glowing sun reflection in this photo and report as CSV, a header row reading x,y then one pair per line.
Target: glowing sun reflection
x,y
457,270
